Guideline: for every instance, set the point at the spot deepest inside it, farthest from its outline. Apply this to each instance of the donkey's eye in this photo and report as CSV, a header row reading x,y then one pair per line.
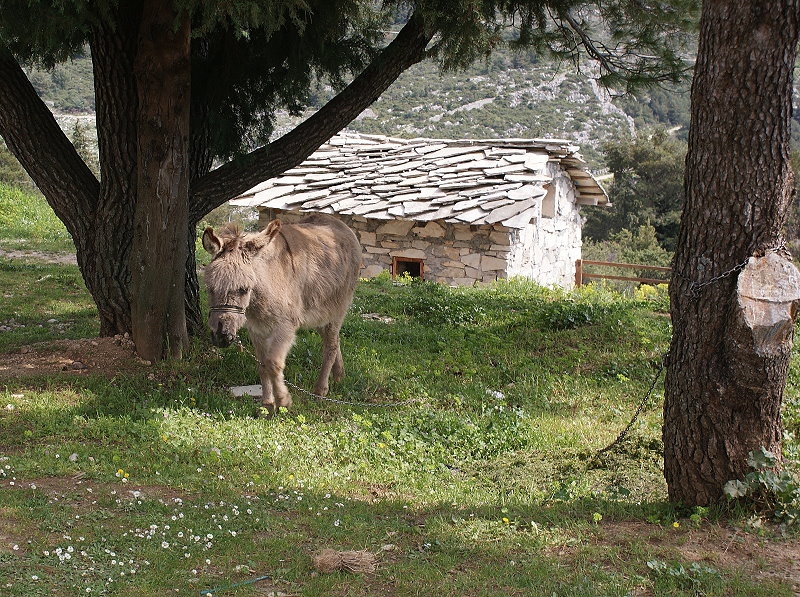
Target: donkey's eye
x,y
241,291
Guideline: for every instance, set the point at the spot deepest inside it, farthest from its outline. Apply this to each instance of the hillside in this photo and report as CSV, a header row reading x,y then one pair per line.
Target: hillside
x,y
508,95
518,96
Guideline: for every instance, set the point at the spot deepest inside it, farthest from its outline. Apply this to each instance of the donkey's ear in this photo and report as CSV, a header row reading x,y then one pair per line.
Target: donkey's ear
x,y
211,241
272,229
263,238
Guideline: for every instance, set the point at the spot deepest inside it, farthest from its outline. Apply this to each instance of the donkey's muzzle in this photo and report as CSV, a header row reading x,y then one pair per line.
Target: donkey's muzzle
x,y
222,338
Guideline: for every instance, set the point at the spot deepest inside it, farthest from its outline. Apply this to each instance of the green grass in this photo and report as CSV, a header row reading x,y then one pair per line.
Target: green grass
x,y
469,467
43,301
27,223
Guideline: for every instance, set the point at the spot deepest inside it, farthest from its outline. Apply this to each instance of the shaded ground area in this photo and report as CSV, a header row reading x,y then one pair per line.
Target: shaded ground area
x,y
719,547
105,356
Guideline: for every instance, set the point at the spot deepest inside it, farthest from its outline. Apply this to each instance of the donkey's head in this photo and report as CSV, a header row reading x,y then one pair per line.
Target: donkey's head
x,y
230,278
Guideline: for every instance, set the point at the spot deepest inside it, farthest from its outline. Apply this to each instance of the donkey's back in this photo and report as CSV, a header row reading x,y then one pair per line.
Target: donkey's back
x,y
320,259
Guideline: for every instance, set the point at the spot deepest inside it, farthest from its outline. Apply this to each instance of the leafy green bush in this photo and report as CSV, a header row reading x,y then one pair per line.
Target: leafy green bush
x,y
675,577
775,492
657,297
438,304
583,306
634,247
629,246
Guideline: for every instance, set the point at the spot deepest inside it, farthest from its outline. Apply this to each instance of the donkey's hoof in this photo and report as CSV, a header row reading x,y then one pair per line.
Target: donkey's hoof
x,y
285,403
265,410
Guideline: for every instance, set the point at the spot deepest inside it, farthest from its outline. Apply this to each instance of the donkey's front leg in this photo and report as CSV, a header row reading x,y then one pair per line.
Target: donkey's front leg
x,y
263,345
272,368
265,373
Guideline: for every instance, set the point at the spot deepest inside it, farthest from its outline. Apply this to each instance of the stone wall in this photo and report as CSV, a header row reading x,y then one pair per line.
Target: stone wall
x,y
456,254
546,250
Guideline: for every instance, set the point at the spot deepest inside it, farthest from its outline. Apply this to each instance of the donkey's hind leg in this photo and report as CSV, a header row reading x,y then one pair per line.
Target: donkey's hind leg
x,y
337,371
331,358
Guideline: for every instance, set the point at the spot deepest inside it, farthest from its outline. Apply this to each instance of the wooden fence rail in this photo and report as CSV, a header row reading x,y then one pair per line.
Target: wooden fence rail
x,y
580,275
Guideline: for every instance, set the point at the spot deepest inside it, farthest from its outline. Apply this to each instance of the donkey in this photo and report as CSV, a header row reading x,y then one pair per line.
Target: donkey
x,y
275,281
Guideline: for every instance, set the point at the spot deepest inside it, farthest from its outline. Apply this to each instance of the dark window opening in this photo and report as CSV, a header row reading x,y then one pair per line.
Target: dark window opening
x,y
406,265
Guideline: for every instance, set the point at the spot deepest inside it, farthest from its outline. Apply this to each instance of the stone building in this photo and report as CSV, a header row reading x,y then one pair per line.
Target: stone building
x,y
454,211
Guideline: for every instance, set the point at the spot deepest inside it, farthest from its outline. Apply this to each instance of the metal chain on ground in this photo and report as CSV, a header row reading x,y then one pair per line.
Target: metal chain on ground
x,y
640,408
212,592
317,396
694,292
351,403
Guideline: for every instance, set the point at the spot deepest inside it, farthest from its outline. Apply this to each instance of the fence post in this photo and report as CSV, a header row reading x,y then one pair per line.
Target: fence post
x,y
578,272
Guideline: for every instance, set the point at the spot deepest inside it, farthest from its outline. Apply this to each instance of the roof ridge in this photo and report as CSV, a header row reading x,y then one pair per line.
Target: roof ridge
x,y
512,141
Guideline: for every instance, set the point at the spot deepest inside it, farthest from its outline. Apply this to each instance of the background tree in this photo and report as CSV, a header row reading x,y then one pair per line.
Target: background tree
x,y
727,373
639,245
179,87
81,143
647,188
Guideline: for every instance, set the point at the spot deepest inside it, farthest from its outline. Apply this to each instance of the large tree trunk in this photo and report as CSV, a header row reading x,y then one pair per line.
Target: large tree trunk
x,y
34,137
159,252
109,247
76,196
728,360
97,215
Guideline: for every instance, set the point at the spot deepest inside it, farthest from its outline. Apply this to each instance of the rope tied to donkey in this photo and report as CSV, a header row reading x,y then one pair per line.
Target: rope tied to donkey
x,y
234,585
348,402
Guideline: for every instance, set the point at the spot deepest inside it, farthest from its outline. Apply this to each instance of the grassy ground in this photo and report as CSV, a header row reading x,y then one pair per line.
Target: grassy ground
x,y
468,466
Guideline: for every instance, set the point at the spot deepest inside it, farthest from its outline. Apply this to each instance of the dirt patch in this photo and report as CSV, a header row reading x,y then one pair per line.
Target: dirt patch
x,y
80,493
67,258
75,493
719,547
105,356
735,550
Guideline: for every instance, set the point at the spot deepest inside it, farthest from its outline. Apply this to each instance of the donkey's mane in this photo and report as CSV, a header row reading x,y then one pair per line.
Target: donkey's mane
x,y
230,230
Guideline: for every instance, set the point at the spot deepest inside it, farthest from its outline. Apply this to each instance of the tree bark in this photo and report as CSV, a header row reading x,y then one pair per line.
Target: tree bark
x,y
159,251
72,191
724,387
44,151
96,214
114,46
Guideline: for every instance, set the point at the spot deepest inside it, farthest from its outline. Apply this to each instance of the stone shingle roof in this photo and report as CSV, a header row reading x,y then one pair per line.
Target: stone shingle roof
x,y
463,181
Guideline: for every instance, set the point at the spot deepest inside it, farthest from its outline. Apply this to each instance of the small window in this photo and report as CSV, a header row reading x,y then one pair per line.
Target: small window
x,y
407,265
549,203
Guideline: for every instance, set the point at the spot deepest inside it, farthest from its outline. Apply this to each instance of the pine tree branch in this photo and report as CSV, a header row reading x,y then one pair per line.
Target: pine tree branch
x,y
241,174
